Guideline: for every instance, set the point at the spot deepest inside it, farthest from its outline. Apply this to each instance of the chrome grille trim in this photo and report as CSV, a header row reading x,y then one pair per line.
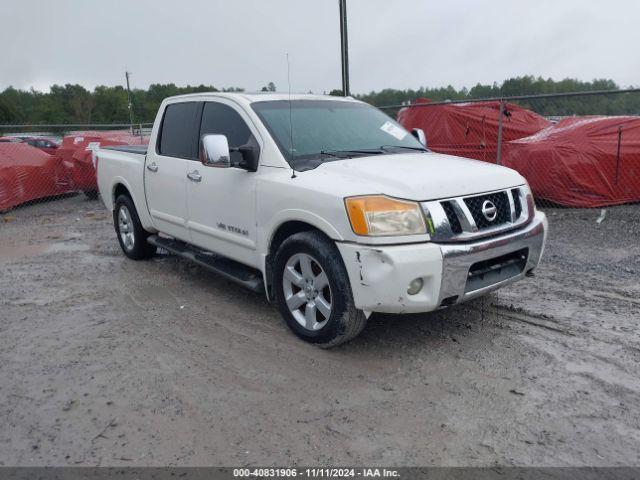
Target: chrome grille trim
x,y
512,206
464,215
440,227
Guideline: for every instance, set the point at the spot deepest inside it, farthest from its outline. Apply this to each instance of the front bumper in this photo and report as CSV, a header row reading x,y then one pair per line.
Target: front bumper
x,y
451,273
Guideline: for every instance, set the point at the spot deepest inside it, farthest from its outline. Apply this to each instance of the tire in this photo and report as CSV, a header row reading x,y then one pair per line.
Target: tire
x,y
91,194
131,236
308,276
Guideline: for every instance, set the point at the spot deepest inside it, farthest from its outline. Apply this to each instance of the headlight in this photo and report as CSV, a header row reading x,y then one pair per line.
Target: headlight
x,y
378,215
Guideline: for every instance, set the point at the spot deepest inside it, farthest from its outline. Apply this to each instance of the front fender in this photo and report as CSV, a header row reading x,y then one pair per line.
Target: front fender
x,y
297,215
267,232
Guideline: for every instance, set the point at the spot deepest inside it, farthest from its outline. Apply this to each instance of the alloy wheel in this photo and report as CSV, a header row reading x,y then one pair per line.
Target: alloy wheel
x,y
307,291
125,228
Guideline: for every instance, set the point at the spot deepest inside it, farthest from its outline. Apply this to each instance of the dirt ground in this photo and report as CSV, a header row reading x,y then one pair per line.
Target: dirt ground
x,y
106,361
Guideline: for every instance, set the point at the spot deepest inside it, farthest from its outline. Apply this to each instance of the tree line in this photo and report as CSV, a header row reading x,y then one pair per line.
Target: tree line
x,y
606,104
65,104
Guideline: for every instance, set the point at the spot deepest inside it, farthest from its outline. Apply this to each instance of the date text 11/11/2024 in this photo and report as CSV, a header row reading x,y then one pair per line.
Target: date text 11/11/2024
x,y
316,472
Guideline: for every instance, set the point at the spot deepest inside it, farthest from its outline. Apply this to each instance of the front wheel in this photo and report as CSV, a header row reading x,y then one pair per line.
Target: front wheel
x,y
131,236
313,291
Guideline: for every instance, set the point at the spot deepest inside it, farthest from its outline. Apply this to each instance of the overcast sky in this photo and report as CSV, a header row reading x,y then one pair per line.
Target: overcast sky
x,y
396,44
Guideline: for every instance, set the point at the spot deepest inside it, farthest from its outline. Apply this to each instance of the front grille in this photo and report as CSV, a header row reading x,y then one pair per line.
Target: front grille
x,y
516,201
461,219
499,199
454,221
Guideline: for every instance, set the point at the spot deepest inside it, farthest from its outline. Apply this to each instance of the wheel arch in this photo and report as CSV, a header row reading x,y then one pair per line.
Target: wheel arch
x,y
279,234
118,189
121,187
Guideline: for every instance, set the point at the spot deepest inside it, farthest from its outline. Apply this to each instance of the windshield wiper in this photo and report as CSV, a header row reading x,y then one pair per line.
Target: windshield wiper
x,y
417,149
362,151
330,154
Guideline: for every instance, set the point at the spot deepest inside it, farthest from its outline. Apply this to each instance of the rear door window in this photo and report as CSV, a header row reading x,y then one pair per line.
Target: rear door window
x,y
178,134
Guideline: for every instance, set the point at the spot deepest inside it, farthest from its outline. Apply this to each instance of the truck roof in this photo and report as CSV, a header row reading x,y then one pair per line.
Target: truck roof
x,y
251,97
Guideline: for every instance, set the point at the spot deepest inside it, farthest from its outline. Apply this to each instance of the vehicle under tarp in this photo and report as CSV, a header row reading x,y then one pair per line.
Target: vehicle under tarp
x,y
581,161
77,149
470,129
27,173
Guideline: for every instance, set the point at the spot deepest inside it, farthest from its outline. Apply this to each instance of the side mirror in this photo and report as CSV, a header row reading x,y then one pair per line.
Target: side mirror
x,y
250,157
214,151
419,134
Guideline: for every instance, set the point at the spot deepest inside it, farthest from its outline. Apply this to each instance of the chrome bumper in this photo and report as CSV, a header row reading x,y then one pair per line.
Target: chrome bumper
x,y
458,259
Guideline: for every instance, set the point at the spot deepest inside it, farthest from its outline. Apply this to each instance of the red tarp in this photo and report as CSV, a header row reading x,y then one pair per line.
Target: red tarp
x,y
27,173
576,163
77,149
470,129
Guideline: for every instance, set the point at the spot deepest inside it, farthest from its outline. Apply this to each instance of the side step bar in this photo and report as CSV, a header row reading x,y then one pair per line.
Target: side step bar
x,y
229,269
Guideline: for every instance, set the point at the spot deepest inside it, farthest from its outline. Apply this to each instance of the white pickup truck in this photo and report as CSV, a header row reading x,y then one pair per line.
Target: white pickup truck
x,y
326,204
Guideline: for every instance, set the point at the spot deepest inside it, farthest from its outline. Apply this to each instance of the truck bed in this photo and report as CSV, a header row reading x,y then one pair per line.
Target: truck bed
x,y
138,149
123,165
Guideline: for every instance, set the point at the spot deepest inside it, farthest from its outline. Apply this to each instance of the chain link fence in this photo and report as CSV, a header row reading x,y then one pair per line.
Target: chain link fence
x,y
578,150
42,163
581,159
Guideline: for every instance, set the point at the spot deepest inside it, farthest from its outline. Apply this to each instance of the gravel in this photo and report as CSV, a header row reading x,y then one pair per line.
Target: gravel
x,y
106,361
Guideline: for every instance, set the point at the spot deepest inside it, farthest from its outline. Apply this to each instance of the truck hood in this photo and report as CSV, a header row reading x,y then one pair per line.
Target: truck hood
x,y
416,176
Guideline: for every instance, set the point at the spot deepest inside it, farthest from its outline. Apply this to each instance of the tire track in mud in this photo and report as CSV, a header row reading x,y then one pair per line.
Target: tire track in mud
x,y
615,296
568,327
581,350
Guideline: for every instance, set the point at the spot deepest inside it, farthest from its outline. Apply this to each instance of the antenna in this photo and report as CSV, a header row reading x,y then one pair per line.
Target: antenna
x,y
293,170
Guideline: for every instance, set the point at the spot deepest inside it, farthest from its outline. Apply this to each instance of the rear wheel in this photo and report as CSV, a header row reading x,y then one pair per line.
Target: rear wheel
x,y
131,236
313,291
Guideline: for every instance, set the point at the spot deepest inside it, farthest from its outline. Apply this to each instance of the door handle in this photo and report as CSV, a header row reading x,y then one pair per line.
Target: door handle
x,y
152,167
194,176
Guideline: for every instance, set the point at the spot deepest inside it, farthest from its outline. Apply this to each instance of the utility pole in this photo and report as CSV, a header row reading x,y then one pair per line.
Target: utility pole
x,y
344,47
129,106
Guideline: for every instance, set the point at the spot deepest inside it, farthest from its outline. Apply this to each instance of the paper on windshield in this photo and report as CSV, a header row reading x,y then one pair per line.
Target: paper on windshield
x,y
393,130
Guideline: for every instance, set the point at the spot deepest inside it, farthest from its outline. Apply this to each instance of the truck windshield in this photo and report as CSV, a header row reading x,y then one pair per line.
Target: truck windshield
x,y
329,130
